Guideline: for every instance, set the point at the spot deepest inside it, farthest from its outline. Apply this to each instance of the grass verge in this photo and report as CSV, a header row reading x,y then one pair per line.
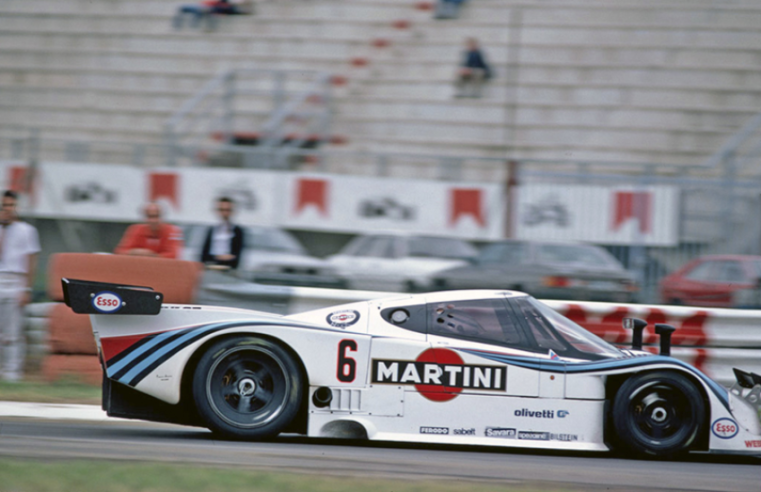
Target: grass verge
x,y
43,392
103,476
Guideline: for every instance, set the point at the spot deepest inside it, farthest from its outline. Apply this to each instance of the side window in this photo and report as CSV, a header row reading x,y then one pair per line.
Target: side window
x,y
731,272
514,253
381,247
482,320
357,246
701,272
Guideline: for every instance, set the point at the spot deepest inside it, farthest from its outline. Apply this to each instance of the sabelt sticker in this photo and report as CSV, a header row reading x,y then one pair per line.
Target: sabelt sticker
x,y
107,302
342,319
724,428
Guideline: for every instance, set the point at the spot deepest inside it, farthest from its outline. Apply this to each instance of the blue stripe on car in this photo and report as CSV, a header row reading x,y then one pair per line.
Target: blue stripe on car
x,y
136,362
602,365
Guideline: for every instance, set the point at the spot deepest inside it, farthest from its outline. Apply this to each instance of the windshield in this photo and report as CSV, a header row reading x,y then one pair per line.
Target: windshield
x,y
273,240
576,254
561,334
441,247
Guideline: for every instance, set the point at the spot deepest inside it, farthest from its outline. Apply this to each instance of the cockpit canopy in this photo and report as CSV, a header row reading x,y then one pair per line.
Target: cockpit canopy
x,y
519,322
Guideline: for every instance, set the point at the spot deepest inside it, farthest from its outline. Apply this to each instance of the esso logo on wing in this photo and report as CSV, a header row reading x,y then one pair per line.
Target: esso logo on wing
x,y
107,302
724,428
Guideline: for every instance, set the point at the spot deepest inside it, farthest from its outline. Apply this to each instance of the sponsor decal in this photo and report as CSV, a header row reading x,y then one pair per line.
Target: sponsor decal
x,y
541,414
564,437
90,192
546,210
466,202
386,208
501,432
534,436
633,205
342,319
464,432
724,428
312,192
107,302
164,186
435,430
439,374
753,444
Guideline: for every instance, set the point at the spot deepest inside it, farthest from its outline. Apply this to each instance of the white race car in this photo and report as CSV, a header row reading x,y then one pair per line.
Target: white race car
x,y
494,368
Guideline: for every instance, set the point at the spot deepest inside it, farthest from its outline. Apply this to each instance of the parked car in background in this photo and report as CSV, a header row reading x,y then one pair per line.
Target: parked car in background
x,y
271,256
389,262
546,270
715,281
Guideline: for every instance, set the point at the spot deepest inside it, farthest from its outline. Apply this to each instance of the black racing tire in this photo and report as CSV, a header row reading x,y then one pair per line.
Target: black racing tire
x,y
658,414
247,388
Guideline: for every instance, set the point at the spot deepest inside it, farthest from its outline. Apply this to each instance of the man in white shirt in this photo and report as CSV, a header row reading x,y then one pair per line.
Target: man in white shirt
x,y
224,242
19,247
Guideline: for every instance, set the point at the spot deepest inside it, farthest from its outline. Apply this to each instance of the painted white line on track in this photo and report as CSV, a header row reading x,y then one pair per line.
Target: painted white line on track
x,y
52,411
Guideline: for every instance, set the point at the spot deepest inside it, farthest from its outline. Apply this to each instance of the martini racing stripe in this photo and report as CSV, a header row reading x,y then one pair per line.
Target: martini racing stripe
x,y
600,365
137,360
135,363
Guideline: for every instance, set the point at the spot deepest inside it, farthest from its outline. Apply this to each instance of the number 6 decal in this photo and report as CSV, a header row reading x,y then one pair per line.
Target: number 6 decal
x,y
347,367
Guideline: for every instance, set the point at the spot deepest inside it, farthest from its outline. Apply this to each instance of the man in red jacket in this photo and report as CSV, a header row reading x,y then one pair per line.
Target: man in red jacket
x,y
154,238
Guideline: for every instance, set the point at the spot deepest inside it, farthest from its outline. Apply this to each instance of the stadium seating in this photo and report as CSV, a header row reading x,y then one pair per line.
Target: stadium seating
x,y
617,80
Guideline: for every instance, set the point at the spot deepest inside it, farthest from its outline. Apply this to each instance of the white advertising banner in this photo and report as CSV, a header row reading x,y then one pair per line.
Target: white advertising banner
x,y
598,214
189,195
351,204
354,204
77,191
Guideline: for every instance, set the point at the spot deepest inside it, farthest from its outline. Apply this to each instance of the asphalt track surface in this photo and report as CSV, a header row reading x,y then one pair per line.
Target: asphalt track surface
x,y
115,439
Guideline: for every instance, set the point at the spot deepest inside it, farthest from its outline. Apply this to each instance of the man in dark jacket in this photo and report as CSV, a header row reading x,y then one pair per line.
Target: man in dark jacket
x,y
224,242
473,71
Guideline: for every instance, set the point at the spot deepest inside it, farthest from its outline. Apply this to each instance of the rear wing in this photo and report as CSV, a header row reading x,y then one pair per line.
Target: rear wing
x,y
86,297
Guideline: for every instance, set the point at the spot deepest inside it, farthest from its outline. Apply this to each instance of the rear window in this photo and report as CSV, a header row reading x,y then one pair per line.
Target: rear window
x,y
440,247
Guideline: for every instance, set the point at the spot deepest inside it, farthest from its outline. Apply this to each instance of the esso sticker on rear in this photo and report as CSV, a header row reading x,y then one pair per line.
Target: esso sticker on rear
x,y
724,428
107,302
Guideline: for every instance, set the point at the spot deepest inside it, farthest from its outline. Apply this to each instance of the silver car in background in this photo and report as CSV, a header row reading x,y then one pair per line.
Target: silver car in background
x,y
396,262
546,270
271,256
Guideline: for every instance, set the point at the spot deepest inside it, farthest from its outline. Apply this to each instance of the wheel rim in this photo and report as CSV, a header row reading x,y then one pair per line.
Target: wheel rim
x,y
660,412
248,387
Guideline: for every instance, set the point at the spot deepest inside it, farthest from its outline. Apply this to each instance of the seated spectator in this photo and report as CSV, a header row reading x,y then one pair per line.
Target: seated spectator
x,y
208,9
448,9
154,238
224,241
473,71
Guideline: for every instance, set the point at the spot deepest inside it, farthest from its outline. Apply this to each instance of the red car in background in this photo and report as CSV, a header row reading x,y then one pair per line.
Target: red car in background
x,y
715,281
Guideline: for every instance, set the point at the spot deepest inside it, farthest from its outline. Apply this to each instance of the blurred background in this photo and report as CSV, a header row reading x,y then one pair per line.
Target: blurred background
x,y
613,153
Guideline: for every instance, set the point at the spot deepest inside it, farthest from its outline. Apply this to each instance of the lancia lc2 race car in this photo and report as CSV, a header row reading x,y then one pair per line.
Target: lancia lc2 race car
x,y
495,368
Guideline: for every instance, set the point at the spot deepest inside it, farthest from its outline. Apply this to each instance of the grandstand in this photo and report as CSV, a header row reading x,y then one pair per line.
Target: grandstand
x,y
636,81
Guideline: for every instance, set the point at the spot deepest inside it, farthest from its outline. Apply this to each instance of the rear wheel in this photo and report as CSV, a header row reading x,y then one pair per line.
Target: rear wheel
x,y
658,413
247,388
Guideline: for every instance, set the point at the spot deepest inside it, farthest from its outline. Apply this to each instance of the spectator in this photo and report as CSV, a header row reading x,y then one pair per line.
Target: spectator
x,y
448,9
473,71
207,9
19,247
224,242
154,238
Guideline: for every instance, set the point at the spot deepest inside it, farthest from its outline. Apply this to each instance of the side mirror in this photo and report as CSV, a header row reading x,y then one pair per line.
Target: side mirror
x,y
636,325
665,332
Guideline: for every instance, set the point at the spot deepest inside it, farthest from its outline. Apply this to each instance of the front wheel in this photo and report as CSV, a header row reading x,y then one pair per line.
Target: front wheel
x,y
658,413
247,388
